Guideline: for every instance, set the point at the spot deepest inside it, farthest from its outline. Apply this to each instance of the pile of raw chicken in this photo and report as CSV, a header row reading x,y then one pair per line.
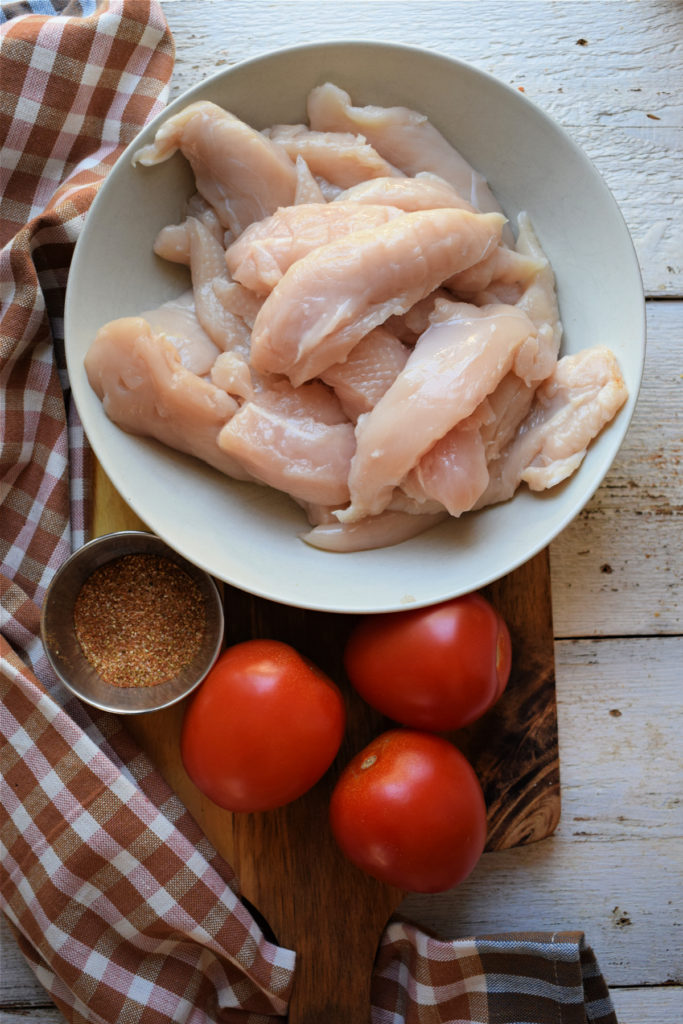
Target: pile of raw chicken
x,y
363,331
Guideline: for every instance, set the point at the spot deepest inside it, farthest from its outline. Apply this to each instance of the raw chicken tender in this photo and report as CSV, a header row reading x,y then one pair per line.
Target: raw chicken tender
x,y
238,300
331,298
173,244
207,267
404,137
454,471
308,189
371,368
310,401
231,372
241,174
297,440
539,300
266,250
341,158
409,326
512,399
501,266
452,369
423,192
538,296
146,390
382,531
173,241
177,321
330,192
509,404
570,408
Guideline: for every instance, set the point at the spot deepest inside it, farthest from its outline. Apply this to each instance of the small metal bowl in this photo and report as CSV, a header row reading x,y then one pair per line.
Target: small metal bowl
x,y
64,651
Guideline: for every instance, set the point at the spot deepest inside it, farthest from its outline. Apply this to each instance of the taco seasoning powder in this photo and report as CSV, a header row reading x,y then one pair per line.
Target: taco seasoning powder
x,y
139,620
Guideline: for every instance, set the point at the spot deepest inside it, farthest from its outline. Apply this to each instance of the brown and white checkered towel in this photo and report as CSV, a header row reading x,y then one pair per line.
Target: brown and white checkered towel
x,y
119,903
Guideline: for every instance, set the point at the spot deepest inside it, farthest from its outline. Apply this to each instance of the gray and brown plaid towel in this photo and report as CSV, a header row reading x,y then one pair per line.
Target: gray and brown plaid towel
x,y
117,900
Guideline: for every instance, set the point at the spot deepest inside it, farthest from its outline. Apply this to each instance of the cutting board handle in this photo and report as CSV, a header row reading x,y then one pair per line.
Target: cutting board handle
x,y
334,962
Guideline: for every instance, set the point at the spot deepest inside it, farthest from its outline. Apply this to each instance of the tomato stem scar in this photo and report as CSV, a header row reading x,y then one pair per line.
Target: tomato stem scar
x,y
368,762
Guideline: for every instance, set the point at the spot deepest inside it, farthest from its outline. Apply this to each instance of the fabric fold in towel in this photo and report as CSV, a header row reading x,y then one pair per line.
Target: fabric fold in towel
x,y
116,898
521,978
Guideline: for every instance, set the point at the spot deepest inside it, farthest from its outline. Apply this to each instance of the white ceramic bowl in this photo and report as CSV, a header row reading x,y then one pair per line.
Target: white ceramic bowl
x,y
249,535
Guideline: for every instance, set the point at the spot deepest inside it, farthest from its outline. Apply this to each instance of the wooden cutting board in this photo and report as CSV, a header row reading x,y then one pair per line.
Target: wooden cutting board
x,y
288,865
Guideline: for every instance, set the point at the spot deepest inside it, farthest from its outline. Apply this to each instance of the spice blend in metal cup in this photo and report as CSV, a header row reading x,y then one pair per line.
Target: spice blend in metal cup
x,y
129,625
139,620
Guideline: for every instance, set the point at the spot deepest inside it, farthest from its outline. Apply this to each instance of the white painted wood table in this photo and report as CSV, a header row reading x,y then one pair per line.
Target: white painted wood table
x,y
610,74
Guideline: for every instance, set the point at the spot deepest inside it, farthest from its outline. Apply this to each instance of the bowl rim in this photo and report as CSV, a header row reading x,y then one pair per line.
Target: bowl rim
x,y
640,328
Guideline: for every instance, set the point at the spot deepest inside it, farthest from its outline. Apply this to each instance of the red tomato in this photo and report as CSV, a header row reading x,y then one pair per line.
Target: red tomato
x,y
409,810
435,668
262,728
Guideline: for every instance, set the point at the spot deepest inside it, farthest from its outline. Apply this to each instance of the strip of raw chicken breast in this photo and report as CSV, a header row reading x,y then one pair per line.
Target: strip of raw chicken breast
x,y
207,267
512,399
329,191
502,266
509,404
177,321
457,470
404,137
267,249
371,368
539,300
295,439
238,300
242,174
454,471
452,369
232,373
173,241
173,244
380,531
409,326
307,188
331,298
146,390
341,158
570,408
423,192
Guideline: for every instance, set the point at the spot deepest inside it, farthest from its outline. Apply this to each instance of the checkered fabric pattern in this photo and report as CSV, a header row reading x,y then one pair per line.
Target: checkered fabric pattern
x,y
119,903
530,978
123,913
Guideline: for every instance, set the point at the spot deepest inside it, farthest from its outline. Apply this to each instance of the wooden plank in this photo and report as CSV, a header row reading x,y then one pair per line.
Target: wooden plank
x,y
34,1014
649,1003
618,568
605,92
632,1005
18,984
622,760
